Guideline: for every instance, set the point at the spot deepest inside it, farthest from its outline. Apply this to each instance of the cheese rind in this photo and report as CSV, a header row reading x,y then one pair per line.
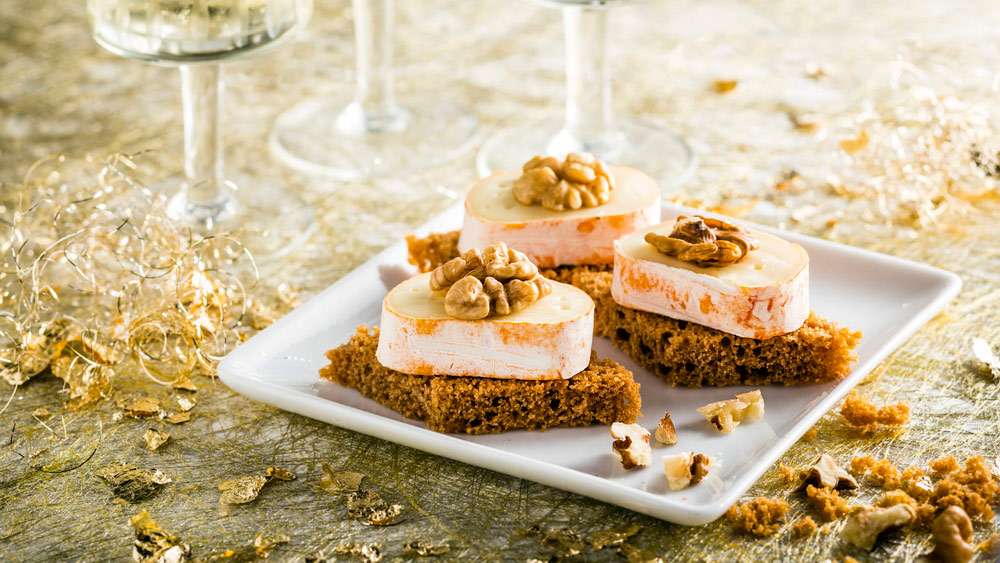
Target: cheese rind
x,y
550,339
557,238
764,295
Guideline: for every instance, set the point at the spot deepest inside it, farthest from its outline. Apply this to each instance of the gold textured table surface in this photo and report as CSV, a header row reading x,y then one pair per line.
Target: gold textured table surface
x,y
61,93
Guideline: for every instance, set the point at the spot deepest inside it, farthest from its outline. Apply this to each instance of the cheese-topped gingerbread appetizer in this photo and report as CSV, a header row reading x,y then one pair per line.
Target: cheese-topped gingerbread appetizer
x,y
716,274
561,214
702,301
485,344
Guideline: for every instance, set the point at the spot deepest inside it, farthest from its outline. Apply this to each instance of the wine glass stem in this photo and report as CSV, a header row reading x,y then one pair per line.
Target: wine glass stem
x,y
374,109
588,84
203,198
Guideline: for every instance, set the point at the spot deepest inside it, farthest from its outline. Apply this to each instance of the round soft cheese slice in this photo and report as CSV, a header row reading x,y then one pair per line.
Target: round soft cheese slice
x,y
764,295
549,339
558,238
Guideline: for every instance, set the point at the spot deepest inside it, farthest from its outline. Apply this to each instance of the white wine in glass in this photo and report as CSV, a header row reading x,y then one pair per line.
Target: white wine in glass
x,y
197,35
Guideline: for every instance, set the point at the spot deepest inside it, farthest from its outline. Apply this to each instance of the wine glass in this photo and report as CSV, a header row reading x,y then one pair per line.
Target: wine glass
x,y
197,35
367,134
588,124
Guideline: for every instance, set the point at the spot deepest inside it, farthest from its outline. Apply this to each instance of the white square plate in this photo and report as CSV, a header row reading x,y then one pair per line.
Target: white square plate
x,y
886,297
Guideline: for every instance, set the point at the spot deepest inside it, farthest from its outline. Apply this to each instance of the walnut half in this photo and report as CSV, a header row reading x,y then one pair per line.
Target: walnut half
x,y
685,469
631,444
727,415
496,281
952,532
864,526
825,472
581,180
704,242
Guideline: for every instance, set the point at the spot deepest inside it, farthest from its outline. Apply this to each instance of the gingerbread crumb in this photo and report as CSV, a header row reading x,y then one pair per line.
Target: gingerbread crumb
x,y
828,502
810,434
804,527
788,474
761,516
991,546
881,473
859,412
944,466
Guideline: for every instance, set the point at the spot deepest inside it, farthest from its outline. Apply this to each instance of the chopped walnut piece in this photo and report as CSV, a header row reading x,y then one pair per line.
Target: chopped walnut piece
x,y
761,516
864,526
858,411
825,472
952,534
685,469
581,180
704,242
631,444
665,432
727,415
496,281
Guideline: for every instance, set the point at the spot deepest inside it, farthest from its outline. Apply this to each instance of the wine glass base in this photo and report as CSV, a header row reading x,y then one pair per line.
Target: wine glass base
x,y
309,138
642,144
269,221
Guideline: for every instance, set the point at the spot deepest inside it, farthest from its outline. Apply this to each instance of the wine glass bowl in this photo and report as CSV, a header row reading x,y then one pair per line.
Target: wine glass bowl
x,y
196,36
185,31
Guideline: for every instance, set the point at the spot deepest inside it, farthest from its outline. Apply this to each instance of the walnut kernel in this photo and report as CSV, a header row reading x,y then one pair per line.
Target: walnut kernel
x,y
704,242
496,281
825,472
685,469
864,526
581,180
727,415
952,532
631,444
665,432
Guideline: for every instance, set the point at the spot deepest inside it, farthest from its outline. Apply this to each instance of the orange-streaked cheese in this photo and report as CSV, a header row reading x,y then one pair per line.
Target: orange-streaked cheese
x,y
764,295
557,238
549,339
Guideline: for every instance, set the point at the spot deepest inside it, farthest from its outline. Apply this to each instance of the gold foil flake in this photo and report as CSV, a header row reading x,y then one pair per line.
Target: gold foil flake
x,y
985,354
288,296
424,549
42,414
143,406
185,384
371,552
279,474
178,418
634,554
340,481
154,438
153,544
723,86
567,542
613,537
241,490
96,274
370,506
186,403
130,483
262,545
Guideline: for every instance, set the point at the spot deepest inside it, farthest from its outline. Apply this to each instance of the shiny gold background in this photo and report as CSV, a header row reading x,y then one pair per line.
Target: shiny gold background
x,y
60,93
